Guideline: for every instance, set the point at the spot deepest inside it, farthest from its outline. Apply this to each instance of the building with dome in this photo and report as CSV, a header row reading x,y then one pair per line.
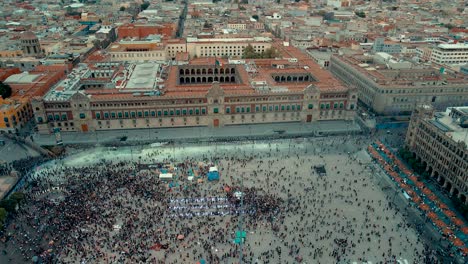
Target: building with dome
x,y
30,44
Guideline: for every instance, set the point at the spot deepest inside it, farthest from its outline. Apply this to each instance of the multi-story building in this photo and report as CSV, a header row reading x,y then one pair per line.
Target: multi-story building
x,y
237,25
11,54
397,90
424,53
30,44
450,54
16,111
138,50
204,92
439,141
223,47
154,48
382,45
141,31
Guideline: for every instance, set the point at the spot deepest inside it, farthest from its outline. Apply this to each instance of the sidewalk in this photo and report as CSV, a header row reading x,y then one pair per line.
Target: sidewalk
x,y
258,131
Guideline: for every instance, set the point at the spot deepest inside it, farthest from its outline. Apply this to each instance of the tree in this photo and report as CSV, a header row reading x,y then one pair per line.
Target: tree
x,y
255,17
122,8
329,16
5,90
3,215
405,153
270,53
97,43
8,204
321,13
145,5
426,175
360,14
18,197
449,26
461,207
249,53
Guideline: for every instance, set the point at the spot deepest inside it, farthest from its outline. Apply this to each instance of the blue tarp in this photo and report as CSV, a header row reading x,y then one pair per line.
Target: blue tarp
x,y
213,176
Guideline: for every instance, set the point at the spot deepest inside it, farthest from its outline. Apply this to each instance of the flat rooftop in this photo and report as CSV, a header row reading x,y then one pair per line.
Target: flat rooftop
x,y
23,77
143,76
453,46
419,75
292,72
67,87
254,39
451,127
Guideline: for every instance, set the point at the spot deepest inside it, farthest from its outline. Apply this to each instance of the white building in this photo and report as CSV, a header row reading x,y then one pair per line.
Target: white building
x,y
239,26
450,54
232,47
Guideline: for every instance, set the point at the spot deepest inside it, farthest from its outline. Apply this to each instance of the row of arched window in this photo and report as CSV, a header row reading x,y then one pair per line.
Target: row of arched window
x,y
293,78
210,79
207,71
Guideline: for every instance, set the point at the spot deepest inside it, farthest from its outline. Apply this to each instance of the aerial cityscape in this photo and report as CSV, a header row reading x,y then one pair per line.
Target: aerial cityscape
x,y
234,131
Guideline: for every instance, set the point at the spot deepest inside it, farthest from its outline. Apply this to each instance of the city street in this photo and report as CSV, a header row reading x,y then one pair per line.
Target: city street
x,y
195,134
15,151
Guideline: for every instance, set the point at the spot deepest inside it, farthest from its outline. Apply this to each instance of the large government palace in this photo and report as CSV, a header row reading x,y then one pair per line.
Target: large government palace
x,y
206,91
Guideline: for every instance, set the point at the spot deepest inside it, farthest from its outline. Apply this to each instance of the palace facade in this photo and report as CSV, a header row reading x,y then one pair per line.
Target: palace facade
x,y
209,92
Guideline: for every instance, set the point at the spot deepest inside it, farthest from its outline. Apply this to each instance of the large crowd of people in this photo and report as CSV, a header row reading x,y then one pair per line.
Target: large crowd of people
x,y
116,210
22,166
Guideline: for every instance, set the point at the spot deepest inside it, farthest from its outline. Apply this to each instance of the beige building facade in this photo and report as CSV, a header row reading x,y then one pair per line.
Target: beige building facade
x,y
158,50
439,141
84,113
397,91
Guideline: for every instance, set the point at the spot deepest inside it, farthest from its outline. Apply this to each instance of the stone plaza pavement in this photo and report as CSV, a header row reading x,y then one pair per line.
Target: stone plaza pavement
x,y
13,150
258,131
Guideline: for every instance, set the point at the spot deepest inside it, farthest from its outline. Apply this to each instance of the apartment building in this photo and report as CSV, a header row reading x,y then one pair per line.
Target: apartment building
x,y
439,141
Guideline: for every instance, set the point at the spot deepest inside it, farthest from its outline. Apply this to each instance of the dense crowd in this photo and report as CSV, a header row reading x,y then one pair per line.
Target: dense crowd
x,y
116,211
22,165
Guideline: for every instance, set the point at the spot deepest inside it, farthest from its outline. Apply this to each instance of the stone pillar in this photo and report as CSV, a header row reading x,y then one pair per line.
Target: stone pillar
x,y
451,190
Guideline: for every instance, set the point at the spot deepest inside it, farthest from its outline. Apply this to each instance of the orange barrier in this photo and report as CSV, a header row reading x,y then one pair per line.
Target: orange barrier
x,y
420,185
